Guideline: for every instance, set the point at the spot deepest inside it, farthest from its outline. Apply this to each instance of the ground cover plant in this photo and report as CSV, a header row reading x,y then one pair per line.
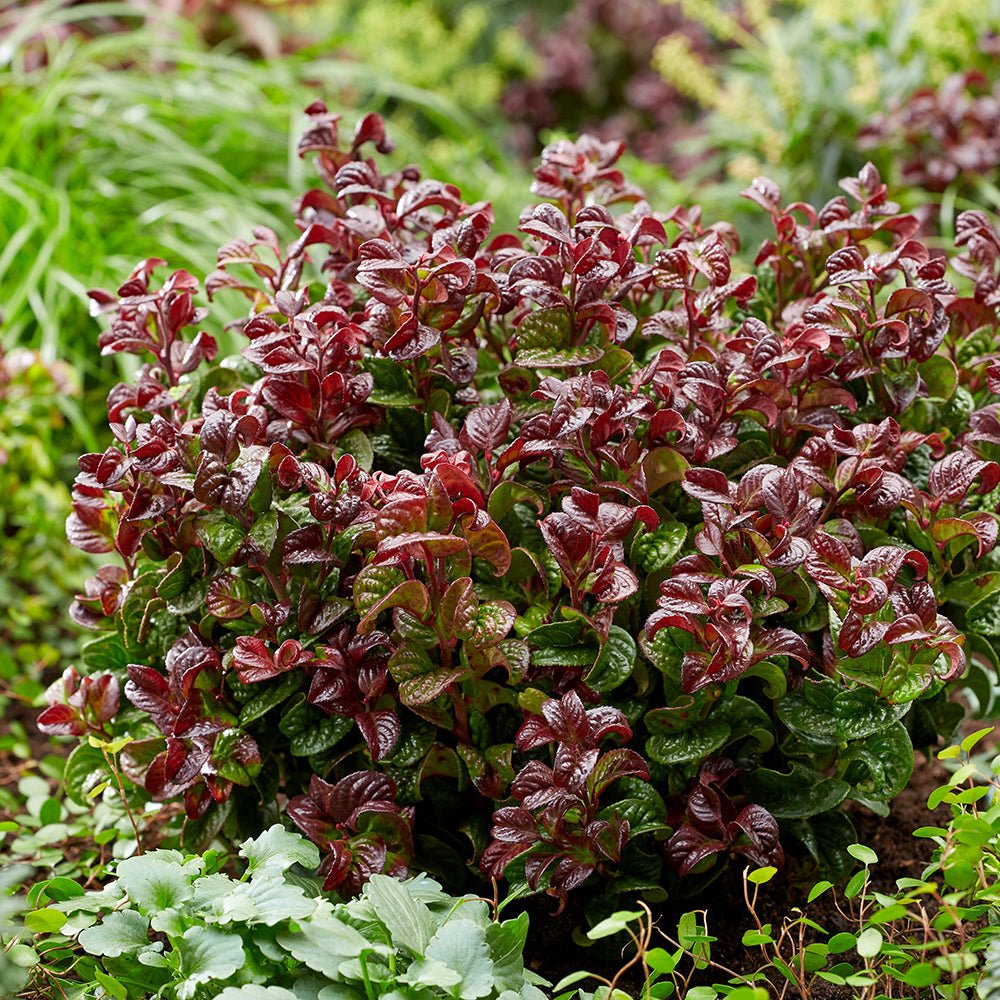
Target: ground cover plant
x,y
269,935
574,558
943,143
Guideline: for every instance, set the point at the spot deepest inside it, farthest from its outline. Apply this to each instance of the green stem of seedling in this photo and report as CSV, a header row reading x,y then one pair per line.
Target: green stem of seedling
x,y
369,989
628,965
121,793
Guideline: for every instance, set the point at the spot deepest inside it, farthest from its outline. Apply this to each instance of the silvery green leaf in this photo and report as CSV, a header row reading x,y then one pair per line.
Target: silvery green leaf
x,y
267,901
461,945
235,907
473,908
411,993
408,921
168,856
123,932
158,881
253,992
340,991
309,988
430,972
323,943
360,910
92,902
276,850
210,887
171,922
425,890
77,923
207,954
350,970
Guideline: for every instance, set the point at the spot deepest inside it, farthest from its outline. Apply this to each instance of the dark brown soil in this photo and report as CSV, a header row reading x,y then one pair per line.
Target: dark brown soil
x,y
892,838
553,953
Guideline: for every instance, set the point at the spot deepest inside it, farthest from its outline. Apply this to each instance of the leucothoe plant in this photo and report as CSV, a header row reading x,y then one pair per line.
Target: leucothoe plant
x,y
577,555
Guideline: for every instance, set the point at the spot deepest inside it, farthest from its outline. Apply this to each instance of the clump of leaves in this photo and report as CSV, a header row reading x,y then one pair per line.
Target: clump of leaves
x,y
385,564
176,925
945,137
38,572
593,73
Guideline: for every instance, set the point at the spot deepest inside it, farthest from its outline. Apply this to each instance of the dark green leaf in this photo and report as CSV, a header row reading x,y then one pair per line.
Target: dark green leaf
x,y
320,736
657,550
277,692
392,385
797,795
85,769
615,662
690,745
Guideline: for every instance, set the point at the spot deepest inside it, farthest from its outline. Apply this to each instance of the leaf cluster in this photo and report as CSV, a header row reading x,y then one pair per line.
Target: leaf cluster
x,y
177,926
944,139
